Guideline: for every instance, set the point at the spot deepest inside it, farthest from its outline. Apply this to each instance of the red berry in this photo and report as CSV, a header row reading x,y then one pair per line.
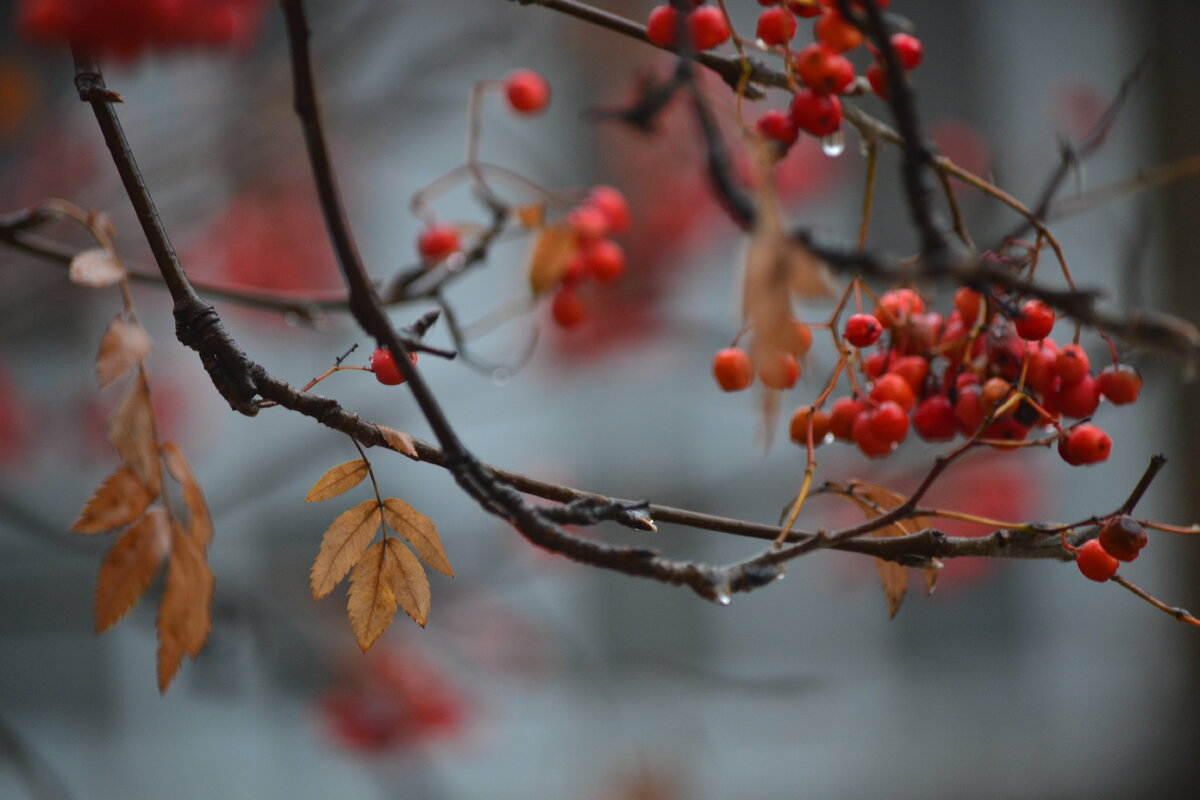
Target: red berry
x,y
1079,399
889,422
1072,364
385,369
968,410
823,70
527,91
816,114
798,428
709,27
1120,383
876,364
967,302
662,26
775,26
732,369
842,415
835,32
802,338
934,419
1035,321
1123,538
908,49
895,388
1042,367
862,330
1005,430
588,222
871,445
779,370
897,305
603,259
914,369
567,308
778,127
611,203
1094,563
877,77
1086,444
436,242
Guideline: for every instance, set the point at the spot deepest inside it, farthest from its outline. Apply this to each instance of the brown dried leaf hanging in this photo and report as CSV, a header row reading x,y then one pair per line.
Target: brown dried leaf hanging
x,y
337,480
344,542
96,268
200,526
372,602
185,614
117,502
129,567
130,428
419,531
408,580
124,346
551,256
874,501
399,441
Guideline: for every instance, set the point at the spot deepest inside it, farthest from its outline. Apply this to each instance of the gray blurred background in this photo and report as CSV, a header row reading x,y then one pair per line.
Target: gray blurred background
x,y
553,680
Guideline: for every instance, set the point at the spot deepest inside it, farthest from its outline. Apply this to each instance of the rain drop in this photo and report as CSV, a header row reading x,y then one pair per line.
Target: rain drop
x,y
501,376
833,144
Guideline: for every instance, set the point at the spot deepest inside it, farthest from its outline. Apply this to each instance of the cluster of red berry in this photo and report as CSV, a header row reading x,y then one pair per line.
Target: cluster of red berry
x,y
125,29
1120,539
984,370
707,26
822,67
604,213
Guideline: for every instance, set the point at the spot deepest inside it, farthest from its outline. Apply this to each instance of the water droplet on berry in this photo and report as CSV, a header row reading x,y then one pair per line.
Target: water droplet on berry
x,y
762,45
833,144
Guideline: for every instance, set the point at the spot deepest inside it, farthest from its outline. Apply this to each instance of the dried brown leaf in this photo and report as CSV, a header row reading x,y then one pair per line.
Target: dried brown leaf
x,y
372,602
117,502
419,531
407,579
551,256
185,613
337,480
399,441
129,567
344,541
200,526
96,268
130,428
125,344
875,500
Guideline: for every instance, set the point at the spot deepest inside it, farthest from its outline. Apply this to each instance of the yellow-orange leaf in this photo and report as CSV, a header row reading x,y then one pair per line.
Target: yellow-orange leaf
x,y
552,254
530,216
129,567
407,579
131,431
185,614
372,602
200,526
119,501
344,541
337,480
124,346
419,531
96,268
398,440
